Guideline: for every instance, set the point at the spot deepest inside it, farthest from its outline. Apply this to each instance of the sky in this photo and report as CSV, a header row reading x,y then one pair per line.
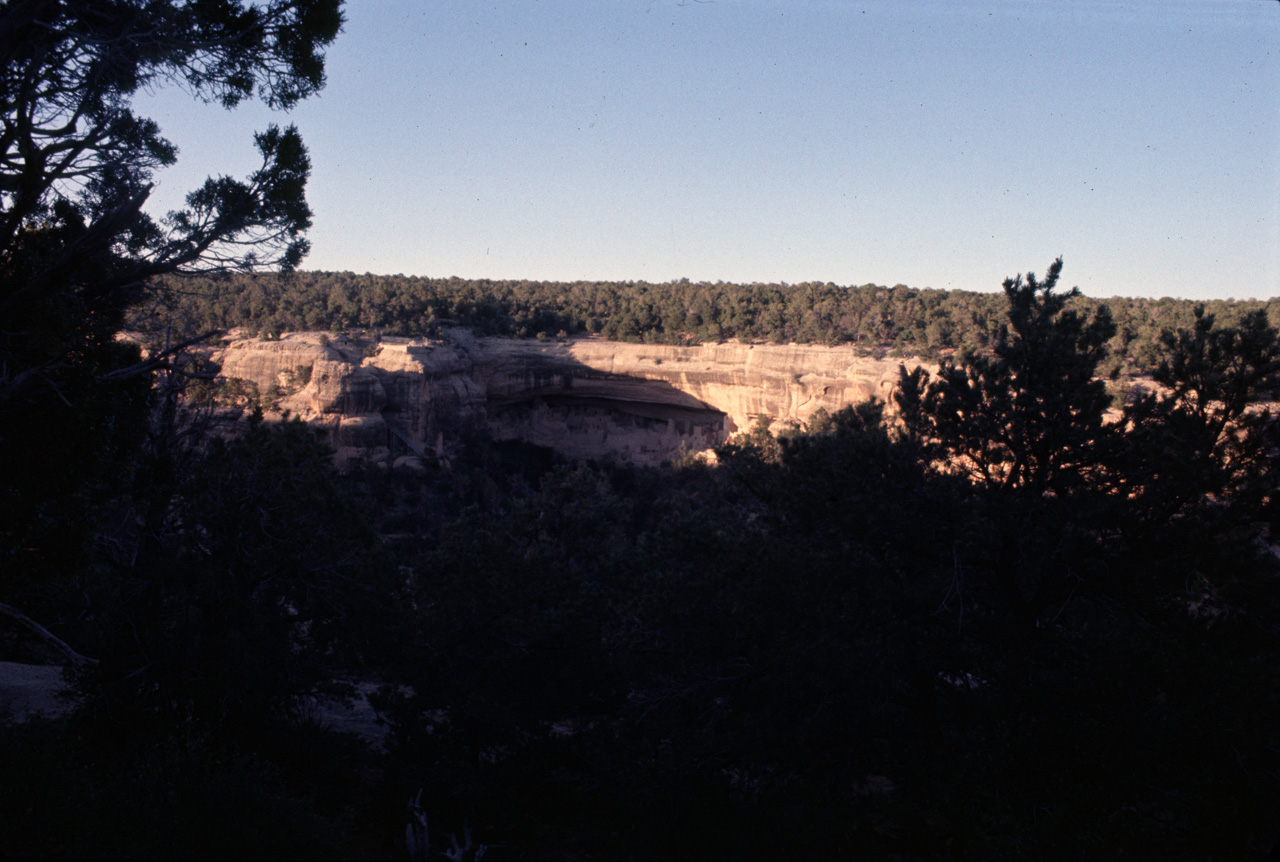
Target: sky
x,y
944,144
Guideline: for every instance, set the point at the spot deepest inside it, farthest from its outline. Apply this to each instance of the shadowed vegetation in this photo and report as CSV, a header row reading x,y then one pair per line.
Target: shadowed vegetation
x,y
1001,625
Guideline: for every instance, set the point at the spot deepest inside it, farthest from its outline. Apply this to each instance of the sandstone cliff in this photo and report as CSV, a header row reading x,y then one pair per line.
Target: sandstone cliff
x,y
584,397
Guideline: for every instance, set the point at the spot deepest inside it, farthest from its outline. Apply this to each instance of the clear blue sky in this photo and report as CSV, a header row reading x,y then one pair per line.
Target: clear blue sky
x,y
936,144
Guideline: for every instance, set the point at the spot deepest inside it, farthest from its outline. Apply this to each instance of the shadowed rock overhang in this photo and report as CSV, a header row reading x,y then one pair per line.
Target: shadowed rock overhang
x,y
585,397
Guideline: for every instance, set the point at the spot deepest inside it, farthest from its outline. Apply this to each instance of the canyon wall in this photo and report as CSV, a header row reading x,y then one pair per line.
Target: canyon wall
x,y
585,397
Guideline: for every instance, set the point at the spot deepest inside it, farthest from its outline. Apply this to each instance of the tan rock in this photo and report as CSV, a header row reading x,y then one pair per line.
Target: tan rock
x,y
584,397
361,431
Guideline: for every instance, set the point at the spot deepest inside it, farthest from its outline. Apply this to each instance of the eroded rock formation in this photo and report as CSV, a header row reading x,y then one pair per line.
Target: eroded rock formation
x,y
585,397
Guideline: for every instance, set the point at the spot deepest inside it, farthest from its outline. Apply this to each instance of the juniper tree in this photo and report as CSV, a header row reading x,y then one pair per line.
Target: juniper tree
x,y
77,246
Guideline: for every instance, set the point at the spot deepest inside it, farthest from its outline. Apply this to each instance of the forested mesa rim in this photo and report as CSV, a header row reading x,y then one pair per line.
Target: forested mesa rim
x,y
1000,627
900,318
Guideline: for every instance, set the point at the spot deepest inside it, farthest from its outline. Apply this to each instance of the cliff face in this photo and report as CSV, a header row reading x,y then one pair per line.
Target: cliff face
x,y
585,397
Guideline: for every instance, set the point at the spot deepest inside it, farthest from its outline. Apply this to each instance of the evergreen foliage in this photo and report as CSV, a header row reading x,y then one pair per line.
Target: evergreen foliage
x,y
1030,414
77,248
901,319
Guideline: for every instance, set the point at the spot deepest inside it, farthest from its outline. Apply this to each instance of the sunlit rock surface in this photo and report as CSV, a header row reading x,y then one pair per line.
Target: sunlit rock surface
x,y
585,397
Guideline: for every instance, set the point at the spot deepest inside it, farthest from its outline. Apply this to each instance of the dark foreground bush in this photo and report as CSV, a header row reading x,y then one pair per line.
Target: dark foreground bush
x,y
65,796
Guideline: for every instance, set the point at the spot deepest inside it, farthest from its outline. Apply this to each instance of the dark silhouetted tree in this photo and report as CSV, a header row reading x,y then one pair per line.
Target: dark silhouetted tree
x,y
1030,414
77,248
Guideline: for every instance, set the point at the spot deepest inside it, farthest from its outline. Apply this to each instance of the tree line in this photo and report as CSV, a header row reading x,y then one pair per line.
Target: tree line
x,y
922,322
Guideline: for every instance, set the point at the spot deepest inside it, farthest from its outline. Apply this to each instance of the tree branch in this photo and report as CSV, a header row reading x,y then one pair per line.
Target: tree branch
x,y
47,636
157,361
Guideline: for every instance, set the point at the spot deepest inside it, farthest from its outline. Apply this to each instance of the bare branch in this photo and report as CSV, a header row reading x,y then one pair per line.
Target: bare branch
x,y
47,636
160,360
